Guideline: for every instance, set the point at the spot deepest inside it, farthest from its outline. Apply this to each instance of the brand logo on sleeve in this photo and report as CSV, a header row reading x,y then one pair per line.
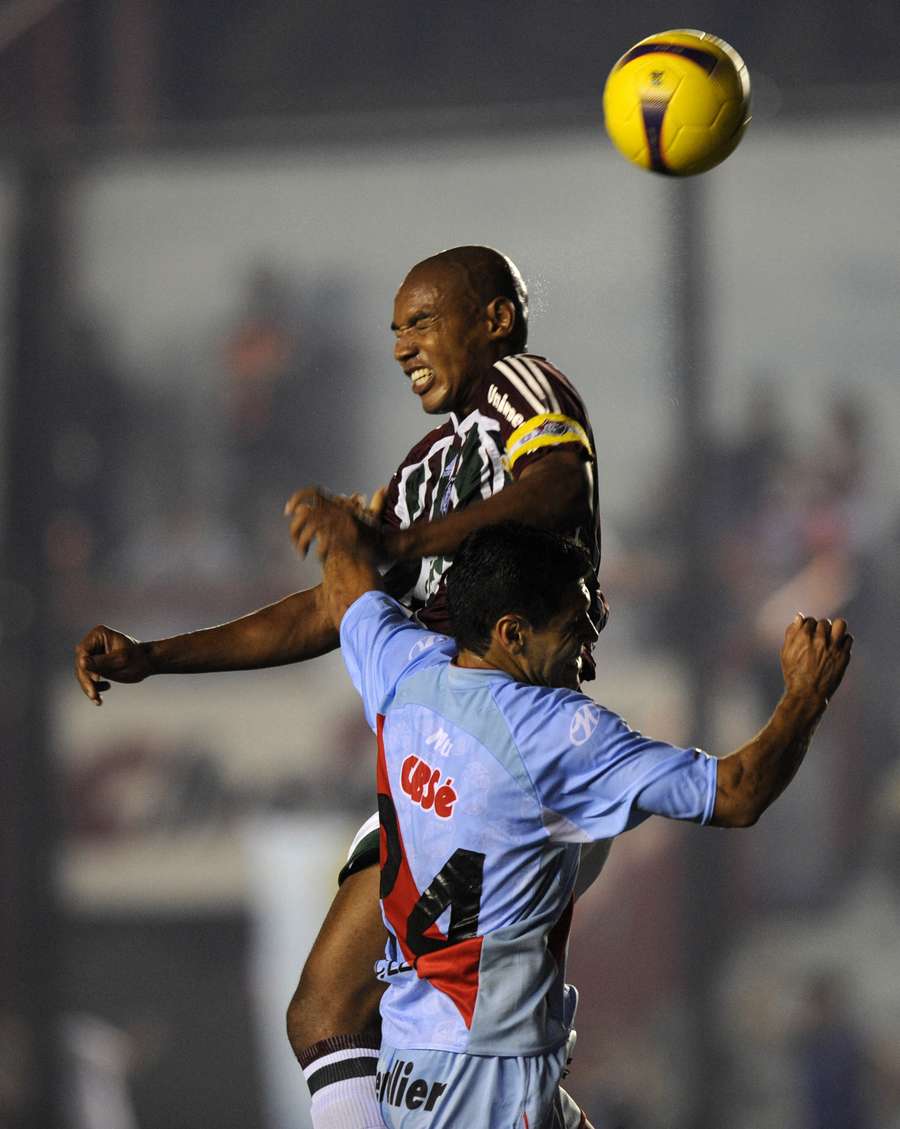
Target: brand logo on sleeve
x,y
424,786
584,721
422,645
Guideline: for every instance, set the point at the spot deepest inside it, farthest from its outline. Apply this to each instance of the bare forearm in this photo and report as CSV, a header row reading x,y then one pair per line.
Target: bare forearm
x,y
750,779
554,495
291,630
345,577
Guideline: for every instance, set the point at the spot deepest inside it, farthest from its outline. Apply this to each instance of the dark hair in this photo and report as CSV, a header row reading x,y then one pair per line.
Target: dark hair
x,y
491,274
510,568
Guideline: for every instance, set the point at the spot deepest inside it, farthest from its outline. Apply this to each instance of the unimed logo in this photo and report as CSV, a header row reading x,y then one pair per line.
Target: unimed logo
x,y
504,407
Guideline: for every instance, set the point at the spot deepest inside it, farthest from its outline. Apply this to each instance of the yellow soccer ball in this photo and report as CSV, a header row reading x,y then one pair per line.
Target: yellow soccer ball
x,y
678,102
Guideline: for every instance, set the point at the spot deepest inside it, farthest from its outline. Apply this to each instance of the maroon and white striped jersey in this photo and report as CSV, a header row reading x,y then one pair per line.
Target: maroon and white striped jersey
x,y
526,409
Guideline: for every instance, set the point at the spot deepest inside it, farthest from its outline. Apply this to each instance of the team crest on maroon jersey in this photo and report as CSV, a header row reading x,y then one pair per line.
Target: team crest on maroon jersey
x,y
445,488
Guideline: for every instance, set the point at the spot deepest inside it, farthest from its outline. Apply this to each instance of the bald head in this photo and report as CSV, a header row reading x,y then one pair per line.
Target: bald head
x,y
487,275
455,315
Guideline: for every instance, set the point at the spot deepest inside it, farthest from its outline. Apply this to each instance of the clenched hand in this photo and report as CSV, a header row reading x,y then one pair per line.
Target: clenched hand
x,y
105,655
814,656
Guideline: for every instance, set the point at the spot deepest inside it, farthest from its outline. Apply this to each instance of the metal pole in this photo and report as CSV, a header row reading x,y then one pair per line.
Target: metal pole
x,y
706,928
30,979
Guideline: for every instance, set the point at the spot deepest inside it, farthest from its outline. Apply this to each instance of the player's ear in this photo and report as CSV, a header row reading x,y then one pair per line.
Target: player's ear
x,y
511,630
501,317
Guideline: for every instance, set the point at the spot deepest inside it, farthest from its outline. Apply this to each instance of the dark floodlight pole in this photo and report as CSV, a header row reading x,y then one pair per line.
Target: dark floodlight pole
x,y
706,929
31,935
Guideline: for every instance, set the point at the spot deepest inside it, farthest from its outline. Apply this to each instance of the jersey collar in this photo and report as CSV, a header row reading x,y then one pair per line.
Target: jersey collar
x,y
468,675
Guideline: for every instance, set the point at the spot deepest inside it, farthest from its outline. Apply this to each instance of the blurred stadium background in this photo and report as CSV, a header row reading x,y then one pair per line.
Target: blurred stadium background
x,y
205,210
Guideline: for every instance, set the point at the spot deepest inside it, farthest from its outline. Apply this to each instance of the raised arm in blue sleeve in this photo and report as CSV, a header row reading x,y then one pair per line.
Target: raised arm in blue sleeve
x,y
596,777
381,645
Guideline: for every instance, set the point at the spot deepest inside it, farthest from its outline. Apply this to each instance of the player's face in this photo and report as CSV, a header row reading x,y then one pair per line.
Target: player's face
x,y
554,653
443,339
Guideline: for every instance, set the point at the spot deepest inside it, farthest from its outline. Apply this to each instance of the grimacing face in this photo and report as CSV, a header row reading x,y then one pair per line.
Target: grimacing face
x,y
553,654
445,338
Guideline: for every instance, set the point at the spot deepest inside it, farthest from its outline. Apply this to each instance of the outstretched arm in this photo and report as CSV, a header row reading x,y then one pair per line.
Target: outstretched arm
x,y
291,630
296,628
814,657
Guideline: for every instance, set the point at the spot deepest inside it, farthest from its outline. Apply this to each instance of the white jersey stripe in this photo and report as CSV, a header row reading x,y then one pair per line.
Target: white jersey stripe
x,y
401,508
520,387
540,376
339,1056
454,497
371,824
523,371
496,467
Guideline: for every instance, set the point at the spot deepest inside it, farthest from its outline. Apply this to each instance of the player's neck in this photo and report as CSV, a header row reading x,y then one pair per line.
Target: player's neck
x,y
479,373
470,661
490,661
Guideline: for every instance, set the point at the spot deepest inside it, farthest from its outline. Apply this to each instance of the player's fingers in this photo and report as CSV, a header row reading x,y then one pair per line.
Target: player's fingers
x,y
823,629
301,519
310,510
84,675
794,626
306,538
838,631
92,681
308,496
376,506
291,504
355,503
304,529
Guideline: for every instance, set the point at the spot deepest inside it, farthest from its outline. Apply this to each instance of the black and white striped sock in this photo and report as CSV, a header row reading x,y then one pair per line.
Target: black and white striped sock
x,y
340,1073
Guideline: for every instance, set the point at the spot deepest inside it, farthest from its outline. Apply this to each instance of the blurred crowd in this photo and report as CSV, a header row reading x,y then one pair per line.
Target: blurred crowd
x,y
177,494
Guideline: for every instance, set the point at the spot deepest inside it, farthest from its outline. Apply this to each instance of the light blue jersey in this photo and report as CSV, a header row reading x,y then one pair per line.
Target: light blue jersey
x,y
487,787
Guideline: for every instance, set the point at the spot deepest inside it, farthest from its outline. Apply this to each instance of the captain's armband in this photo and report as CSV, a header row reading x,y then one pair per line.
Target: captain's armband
x,y
552,429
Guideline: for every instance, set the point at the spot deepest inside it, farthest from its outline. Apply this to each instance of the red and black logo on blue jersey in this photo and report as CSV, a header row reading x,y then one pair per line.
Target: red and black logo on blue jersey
x,y
423,785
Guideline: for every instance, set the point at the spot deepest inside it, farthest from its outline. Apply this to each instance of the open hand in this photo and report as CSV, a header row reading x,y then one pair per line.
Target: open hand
x,y
106,654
